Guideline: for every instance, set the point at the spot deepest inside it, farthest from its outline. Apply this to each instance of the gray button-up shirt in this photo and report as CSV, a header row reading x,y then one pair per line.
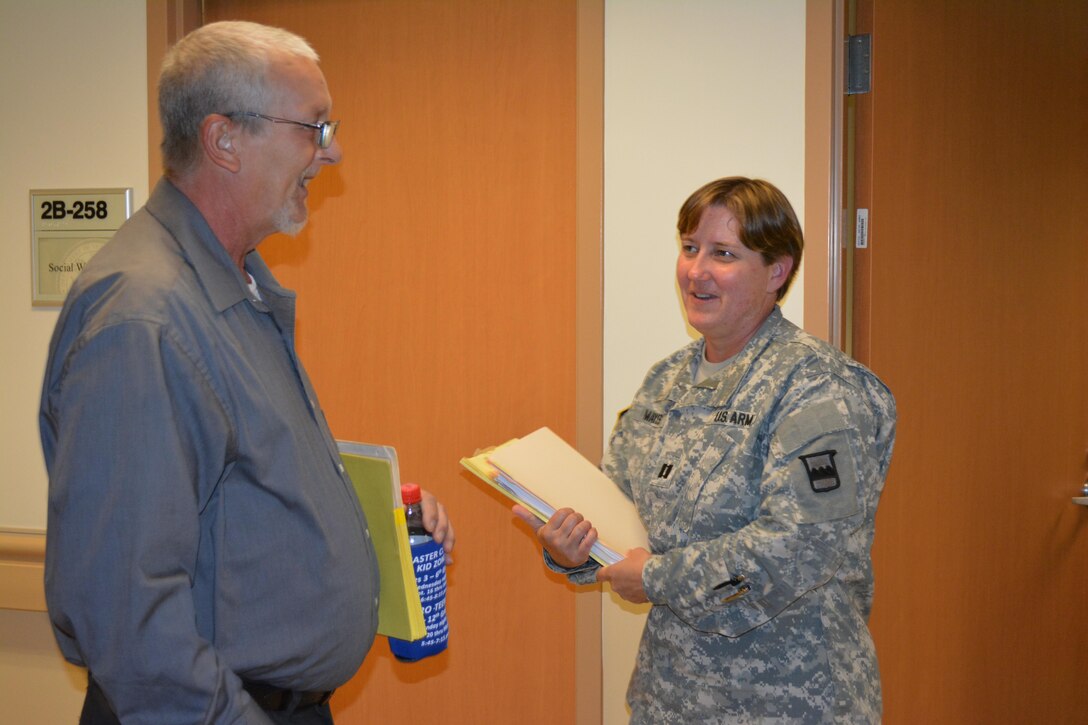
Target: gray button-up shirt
x,y
200,526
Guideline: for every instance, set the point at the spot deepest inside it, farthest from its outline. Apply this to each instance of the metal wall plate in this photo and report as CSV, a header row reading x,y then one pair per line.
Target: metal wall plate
x,y
67,227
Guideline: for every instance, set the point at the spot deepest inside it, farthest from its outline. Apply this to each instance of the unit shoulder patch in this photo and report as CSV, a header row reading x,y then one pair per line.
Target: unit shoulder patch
x,y
823,475
825,479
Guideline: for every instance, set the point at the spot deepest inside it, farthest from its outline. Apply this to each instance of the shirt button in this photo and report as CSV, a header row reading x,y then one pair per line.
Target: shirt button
x,y
341,467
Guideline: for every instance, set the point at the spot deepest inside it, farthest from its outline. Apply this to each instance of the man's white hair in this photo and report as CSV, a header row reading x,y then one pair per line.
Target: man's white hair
x,y
218,68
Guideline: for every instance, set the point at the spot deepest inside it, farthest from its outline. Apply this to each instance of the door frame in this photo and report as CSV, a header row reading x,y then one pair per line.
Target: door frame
x,y
823,269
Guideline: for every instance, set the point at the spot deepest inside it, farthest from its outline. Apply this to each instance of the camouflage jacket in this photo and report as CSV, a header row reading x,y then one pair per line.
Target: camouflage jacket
x,y
758,488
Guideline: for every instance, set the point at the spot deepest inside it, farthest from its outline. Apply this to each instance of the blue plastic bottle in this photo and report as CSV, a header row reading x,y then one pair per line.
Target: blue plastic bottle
x,y
429,560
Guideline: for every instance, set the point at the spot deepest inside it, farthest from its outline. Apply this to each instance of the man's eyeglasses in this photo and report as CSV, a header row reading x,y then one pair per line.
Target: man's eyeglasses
x,y
326,130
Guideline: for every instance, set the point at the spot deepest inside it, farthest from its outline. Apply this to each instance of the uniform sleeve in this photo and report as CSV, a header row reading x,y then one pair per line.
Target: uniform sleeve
x,y
136,442
811,505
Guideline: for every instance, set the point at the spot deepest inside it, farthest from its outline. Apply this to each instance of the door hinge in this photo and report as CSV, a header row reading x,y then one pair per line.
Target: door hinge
x,y
858,64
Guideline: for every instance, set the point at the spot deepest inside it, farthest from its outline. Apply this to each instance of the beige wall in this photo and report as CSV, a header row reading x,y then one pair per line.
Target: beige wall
x,y
73,79
72,76
694,90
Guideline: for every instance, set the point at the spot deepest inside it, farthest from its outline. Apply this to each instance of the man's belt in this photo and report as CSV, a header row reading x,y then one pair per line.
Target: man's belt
x,y
274,699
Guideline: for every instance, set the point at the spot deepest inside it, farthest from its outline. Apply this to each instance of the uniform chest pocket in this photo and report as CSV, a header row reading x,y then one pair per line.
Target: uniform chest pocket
x,y
687,455
684,465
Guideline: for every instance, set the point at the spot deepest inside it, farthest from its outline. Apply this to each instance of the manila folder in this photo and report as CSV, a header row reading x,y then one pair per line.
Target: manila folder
x,y
561,476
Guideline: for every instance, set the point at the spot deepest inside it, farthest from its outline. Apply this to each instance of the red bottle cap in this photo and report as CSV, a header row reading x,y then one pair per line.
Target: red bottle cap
x,y
410,493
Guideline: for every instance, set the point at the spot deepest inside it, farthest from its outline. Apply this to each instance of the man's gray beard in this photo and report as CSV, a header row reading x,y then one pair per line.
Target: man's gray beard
x,y
288,226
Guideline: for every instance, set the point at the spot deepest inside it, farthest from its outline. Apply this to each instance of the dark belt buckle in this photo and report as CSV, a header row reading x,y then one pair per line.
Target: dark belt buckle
x,y
314,698
274,699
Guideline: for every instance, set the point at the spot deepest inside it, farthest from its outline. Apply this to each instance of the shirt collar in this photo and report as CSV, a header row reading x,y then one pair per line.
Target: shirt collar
x,y
221,279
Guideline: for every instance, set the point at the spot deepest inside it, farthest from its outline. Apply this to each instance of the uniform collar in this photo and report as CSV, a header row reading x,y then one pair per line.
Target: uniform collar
x,y
719,388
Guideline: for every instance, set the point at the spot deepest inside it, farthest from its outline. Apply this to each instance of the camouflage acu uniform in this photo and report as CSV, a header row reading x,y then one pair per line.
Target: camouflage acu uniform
x,y
758,488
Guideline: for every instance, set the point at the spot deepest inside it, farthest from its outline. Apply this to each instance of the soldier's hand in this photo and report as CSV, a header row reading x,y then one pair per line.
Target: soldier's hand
x,y
566,536
626,576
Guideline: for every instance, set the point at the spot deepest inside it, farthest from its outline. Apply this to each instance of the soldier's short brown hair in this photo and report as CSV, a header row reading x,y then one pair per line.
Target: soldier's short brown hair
x,y
768,224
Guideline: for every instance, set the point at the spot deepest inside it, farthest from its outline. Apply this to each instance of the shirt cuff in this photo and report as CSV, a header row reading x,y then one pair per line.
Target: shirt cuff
x,y
584,573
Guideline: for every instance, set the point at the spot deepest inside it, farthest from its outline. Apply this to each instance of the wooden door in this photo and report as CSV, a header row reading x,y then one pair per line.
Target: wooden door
x,y
436,309
973,306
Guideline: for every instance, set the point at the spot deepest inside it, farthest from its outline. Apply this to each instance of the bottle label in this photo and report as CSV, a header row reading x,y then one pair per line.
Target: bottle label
x,y
429,560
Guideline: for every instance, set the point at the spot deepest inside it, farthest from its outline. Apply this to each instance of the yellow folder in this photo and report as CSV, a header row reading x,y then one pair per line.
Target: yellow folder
x,y
376,477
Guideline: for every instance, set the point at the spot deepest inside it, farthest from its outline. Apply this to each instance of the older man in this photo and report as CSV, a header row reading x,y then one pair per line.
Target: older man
x,y
206,559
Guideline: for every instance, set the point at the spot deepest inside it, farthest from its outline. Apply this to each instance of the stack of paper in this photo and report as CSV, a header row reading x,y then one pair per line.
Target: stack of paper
x,y
374,473
543,473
